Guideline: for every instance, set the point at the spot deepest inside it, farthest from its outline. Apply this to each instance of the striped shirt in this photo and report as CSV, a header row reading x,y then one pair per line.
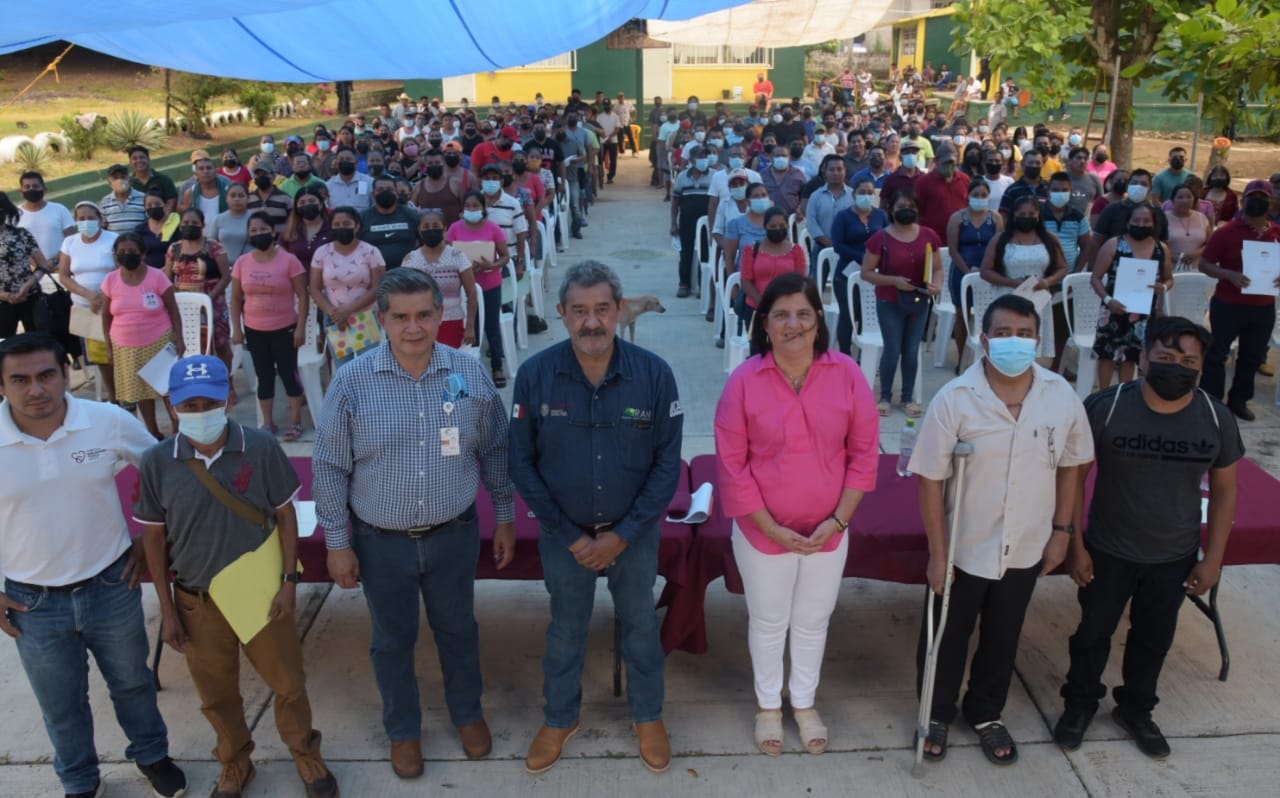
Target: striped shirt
x,y
508,214
378,448
126,214
1068,230
277,205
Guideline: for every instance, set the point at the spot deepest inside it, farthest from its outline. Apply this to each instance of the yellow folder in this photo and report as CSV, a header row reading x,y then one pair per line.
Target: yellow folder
x,y
244,590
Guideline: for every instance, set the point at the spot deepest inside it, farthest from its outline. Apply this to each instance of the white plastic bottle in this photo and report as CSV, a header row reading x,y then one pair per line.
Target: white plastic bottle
x,y
906,444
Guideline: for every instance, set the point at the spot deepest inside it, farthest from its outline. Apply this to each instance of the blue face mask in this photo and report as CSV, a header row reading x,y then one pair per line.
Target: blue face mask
x,y
736,163
473,217
323,146
203,428
781,163
713,159
760,204
909,160
738,193
1012,356
863,202
701,164
88,227
977,204
733,139
491,186
268,146
1059,199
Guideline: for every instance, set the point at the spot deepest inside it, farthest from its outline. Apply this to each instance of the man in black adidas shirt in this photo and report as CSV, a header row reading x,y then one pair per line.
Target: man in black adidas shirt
x,y
1154,442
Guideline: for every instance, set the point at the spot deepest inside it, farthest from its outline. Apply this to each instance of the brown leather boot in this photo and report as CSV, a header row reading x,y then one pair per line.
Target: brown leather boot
x,y
655,746
234,780
406,758
546,748
477,742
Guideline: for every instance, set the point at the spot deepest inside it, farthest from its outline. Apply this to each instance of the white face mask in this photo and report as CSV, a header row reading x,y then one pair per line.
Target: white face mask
x,y
203,428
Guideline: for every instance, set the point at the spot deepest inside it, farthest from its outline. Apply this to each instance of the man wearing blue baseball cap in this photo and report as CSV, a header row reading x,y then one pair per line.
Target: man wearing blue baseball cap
x,y
214,493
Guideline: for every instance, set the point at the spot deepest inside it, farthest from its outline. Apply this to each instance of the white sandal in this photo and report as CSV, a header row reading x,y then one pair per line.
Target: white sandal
x,y
812,732
769,731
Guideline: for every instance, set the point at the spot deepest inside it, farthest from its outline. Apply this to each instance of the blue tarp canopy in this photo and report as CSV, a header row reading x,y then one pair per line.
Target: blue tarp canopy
x,y
316,40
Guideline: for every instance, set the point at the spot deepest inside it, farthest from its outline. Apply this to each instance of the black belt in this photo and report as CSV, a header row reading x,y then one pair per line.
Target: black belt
x,y
417,532
204,594
73,585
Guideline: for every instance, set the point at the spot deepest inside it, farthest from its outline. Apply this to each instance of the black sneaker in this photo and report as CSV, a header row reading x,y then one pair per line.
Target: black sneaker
x,y
167,779
98,791
1241,411
536,325
1070,729
1144,732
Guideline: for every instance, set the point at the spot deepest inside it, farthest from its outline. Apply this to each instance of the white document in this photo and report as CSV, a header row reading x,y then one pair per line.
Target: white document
x,y
1262,267
86,324
156,372
306,512
699,506
1028,290
1135,284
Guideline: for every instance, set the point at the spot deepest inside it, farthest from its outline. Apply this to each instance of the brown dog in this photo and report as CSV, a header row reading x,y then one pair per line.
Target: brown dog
x,y
632,307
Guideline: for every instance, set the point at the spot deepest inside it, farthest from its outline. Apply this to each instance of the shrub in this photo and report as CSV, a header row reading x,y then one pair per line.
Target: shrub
x,y
83,140
133,128
259,99
32,158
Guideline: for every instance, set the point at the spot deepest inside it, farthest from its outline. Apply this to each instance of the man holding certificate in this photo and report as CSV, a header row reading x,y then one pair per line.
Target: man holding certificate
x,y
1244,256
211,500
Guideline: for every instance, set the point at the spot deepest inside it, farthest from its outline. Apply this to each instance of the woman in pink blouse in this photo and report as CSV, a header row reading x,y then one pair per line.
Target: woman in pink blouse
x,y
345,273
766,260
797,441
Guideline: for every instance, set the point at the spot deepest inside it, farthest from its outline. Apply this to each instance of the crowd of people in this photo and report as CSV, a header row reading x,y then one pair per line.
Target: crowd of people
x,y
408,224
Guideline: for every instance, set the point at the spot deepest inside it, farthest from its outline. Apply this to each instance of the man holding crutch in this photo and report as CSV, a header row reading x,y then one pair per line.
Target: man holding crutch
x,y
1029,434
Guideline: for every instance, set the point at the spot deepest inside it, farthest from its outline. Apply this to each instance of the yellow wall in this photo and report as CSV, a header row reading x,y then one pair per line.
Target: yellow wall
x,y
523,85
708,82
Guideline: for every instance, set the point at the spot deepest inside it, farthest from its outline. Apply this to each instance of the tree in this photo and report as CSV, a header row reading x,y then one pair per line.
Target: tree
x,y
1061,46
1225,53
193,95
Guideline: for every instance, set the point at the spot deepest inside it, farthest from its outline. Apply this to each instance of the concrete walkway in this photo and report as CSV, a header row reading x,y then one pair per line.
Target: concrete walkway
x,y
1222,734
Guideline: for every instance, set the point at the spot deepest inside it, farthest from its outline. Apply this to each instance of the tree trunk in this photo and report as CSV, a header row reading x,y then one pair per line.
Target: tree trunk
x,y
1122,124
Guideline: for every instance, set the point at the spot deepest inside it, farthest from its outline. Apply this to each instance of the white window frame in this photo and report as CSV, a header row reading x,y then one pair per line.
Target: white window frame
x,y
557,63
716,55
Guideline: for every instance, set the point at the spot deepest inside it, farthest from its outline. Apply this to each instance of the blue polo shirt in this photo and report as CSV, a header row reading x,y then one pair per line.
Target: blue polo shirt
x,y
583,455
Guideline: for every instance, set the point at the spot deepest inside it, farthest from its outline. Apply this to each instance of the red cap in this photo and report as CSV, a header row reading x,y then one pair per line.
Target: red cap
x,y
1259,187
510,132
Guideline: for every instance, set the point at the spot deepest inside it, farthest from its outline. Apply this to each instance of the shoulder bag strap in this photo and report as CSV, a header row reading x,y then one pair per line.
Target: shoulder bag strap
x,y
1114,400
233,503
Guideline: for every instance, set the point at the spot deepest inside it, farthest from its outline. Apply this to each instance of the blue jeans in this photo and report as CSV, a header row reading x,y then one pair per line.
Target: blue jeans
x,y
903,332
573,589
441,567
59,630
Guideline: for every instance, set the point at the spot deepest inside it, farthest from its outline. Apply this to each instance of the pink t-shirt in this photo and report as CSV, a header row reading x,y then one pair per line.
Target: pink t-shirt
x,y
348,277
763,268
460,231
138,314
268,290
794,453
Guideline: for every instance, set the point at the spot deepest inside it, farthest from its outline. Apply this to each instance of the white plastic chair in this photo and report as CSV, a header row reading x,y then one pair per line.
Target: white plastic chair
x,y
1190,296
944,312
474,349
737,347
515,323
534,270
794,226
718,285
870,339
827,260
190,307
984,293
1082,310
310,359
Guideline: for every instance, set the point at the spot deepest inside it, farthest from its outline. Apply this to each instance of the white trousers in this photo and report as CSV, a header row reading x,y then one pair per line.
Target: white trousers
x,y
788,591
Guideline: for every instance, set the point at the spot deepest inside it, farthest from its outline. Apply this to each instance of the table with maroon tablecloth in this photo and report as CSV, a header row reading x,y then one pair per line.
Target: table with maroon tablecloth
x,y
673,550
888,542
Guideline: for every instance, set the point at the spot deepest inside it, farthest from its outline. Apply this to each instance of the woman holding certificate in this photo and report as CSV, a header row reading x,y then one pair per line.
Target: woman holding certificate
x,y
1131,273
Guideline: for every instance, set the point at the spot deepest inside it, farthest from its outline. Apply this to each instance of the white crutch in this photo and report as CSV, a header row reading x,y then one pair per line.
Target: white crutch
x,y
932,637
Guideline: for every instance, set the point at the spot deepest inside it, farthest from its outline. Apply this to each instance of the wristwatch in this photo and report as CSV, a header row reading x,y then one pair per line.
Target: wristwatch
x,y
294,577
1070,529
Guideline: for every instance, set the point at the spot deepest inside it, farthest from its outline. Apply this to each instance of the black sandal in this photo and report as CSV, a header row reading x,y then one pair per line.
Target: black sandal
x,y
994,735
937,736
499,379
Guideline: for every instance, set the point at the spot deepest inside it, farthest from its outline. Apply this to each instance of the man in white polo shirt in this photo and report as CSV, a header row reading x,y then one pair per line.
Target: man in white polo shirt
x,y
71,571
1029,434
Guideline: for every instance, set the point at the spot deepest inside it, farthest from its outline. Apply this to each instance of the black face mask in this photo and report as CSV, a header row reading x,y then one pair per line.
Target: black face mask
x,y
309,212
539,135
190,232
230,163
876,163
796,152
971,160
905,216
994,169
435,142
435,171
519,167
346,168
377,171
262,241
507,180
156,212
1256,206
33,195
470,132
432,236
302,176
1031,172
1219,182
1025,224
362,148
452,160
1177,163
344,235
1141,232
561,137
263,182
130,260
385,199
1171,381
776,236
